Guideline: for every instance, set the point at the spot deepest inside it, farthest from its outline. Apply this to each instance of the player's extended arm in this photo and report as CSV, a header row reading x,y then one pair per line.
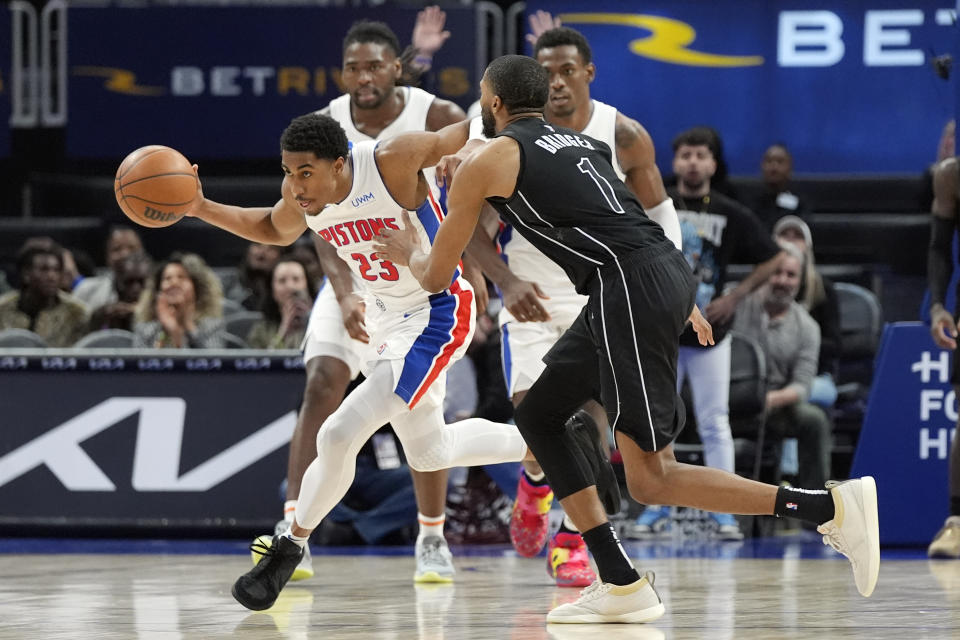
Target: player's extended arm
x,y
521,298
492,171
422,149
281,224
939,259
637,158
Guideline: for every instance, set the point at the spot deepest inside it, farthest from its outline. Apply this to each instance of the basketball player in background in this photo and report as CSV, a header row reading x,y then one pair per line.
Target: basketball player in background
x,y
540,301
943,326
558,188
373,107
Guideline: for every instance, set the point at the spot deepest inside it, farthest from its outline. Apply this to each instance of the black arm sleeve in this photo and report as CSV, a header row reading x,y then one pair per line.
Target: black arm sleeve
x,y
939,260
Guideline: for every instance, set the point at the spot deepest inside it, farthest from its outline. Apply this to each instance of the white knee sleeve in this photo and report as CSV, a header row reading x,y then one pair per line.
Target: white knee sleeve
x,y
431,445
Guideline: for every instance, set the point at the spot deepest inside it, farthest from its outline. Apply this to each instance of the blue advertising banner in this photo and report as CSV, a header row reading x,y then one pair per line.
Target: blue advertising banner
x,y
150,439
906,434
223,82
847,85
6,37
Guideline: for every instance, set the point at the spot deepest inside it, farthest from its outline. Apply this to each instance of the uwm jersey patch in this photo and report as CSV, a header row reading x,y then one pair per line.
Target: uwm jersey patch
x,y
352,226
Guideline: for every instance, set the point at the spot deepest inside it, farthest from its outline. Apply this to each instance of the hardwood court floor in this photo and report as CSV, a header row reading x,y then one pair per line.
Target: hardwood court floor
x,y
174,595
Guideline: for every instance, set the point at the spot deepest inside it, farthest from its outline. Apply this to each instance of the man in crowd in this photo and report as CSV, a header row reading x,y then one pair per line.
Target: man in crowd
x,y
39,305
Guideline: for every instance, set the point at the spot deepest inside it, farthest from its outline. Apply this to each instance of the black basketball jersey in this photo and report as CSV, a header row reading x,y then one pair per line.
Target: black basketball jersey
x,y
569,202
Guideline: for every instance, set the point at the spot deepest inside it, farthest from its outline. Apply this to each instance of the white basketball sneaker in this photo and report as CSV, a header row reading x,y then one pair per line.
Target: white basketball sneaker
x,y
605,602
855,529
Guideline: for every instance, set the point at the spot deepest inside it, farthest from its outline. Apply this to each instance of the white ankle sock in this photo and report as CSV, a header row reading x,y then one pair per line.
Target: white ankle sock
x,y
430,526
289,508
568,523
535,477
297,540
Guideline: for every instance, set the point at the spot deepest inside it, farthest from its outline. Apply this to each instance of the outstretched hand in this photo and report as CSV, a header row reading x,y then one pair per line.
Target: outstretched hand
x,y
397,245
428,33
539,22
702,327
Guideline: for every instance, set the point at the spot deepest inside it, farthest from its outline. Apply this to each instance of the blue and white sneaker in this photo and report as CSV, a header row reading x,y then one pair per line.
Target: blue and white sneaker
x,y
654,522
727,526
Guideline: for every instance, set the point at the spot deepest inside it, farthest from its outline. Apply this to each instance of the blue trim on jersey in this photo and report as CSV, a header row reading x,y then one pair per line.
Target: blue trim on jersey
x,y
429,344
503,239
428,218
505,355
431,222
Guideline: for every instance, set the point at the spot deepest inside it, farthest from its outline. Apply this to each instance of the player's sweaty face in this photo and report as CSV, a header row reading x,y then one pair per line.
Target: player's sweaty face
x,y
570,79
370,72
310,180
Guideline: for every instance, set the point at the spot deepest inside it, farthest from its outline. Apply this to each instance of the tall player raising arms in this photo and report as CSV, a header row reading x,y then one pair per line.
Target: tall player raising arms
x,y
558,188
373,107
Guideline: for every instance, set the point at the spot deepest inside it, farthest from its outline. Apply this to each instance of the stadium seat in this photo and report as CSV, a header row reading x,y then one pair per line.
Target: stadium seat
x,y
860,320
21,339
106,339
240,323
234,342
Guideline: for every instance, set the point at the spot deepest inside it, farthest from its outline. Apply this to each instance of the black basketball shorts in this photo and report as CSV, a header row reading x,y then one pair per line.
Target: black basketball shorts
x,y
625,342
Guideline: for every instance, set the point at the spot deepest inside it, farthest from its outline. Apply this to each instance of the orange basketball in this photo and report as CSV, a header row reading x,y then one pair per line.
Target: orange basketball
x,y
155,186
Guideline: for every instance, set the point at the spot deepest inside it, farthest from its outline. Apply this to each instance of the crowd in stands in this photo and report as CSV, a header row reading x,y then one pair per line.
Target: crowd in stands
x,y
791,313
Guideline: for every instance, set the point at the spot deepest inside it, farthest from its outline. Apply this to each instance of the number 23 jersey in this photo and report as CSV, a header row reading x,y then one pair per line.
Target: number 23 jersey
x,y
352,224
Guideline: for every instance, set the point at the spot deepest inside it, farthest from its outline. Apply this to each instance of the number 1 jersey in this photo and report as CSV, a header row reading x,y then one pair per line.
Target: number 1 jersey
x,y
352,225
569,202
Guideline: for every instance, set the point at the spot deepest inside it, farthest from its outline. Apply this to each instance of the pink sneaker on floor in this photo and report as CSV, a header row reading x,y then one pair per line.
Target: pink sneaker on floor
x,y
530,520
568,562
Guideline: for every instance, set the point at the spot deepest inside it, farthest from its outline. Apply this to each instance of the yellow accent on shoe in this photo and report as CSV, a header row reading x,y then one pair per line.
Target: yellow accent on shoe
x,y
264,540
432,577
545,503
303,571
557,557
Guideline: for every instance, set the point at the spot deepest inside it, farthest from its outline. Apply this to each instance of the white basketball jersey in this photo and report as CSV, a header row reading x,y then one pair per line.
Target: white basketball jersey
x,y
351,226
416,104
524,259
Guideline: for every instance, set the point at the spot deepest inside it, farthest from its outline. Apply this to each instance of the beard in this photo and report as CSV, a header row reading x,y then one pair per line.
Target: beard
x,y
489,123
378,99
779,297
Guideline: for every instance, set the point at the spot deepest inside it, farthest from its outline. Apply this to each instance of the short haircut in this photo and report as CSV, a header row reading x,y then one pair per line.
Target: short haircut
x,y
318,133
562,36
364,31
697,137
521,82
33,249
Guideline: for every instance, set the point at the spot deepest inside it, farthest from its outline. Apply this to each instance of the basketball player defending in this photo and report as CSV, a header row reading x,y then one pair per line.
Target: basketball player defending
x,y
540,302
373,107
558,188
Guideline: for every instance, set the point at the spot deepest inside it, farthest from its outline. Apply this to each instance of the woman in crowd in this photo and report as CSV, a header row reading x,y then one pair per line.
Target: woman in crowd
x,y
287,308
181,307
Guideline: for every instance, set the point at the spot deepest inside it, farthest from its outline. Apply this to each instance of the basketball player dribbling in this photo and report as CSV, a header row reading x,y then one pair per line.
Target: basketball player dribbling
x,y
373,107
557,187
347,196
